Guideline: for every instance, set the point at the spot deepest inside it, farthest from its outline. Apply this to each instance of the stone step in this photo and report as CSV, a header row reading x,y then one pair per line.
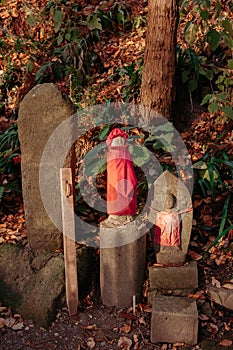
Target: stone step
x,y
151,293
174,319
175,277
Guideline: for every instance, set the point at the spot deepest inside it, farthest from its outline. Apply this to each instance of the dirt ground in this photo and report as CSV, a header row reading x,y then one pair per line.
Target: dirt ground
x,y
99,327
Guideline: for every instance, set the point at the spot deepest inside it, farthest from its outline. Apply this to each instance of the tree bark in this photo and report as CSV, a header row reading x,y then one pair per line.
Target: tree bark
x,y
157,89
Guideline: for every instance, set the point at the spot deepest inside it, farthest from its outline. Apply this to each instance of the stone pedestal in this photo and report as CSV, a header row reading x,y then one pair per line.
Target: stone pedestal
x,y
174,320
122,263
174,316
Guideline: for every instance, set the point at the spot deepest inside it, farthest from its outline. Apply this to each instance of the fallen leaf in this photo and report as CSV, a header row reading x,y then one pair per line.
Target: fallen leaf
x,y
197,203
194,255
208,220
227,326
126,328
230,234
124,343
198,295
91,327
18,326
142,321
136,342
207,200
9,321
214,327
203,317
17,316
91,343
221,260
164,347
225,342
215,283
148,308
127,316
2,322
14,12
3,308
228,286
3,119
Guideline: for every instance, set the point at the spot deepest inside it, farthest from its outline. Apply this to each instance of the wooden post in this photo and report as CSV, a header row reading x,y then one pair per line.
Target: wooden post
x,y
67,201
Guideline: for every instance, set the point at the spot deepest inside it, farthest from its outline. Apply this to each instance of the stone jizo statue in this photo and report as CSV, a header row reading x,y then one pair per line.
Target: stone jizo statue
x,y
167,227
121,179
171,212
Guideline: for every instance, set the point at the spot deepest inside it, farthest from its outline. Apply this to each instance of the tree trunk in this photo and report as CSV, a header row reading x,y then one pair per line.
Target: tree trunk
x,y
157,89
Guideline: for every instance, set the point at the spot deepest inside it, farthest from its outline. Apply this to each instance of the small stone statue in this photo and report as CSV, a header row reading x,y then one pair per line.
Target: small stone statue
x,y
171,212
167,227
121,179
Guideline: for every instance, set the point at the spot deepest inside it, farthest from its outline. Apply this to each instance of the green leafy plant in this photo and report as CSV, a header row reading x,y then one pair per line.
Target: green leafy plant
x,y
10,161
212,172
116,19
188,64
132,76
162,137
64,18
222,232
209,34
221,99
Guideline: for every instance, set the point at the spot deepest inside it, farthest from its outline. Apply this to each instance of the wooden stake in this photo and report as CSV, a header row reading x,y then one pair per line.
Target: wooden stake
x,y
67,202
134,304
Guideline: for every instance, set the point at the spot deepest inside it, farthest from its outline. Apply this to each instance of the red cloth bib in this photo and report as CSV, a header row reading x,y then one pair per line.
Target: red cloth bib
x,y
167,229
121,178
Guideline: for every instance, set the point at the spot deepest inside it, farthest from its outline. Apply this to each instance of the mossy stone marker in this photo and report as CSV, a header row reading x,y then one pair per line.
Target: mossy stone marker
x,y
40,113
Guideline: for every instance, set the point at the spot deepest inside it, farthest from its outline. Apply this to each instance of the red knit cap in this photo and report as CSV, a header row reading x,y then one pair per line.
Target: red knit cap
x,y
115,133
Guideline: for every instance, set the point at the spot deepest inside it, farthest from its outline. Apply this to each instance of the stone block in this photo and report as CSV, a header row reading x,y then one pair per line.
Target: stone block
x,y
174,319
122,266
151,293
174,277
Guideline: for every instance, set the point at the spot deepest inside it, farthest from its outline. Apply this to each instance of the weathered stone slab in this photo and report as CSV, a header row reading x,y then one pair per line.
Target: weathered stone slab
x,y
42,295
34,286
174,277
221,296
122,267
174,319
41,111
32,294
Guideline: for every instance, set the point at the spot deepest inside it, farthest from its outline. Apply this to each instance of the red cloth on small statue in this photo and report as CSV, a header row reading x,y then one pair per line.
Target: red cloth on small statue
x,y
121,178
167,229
115,133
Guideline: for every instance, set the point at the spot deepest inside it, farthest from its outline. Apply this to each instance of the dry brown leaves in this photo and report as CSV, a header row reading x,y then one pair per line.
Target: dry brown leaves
x,y
12,227
10,320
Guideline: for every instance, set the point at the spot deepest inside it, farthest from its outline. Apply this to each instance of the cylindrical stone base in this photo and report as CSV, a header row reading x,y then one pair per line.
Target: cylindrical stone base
x,y
122,267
